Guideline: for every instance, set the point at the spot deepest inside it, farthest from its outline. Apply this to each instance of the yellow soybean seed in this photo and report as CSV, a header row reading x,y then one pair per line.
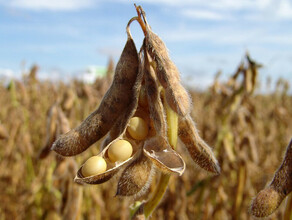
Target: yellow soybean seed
x,y
120,150
93,166
138,128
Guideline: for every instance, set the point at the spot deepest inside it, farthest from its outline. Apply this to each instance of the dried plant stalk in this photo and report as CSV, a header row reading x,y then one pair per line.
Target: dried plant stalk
x,y
51,131
241,177
72,209
3,132
57,124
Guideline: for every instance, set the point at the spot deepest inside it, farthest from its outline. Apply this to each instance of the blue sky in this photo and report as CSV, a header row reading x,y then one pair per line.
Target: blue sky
x,y
65,37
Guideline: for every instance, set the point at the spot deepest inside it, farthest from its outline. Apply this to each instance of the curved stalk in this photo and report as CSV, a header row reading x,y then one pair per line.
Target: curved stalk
x,y
172,122
139,19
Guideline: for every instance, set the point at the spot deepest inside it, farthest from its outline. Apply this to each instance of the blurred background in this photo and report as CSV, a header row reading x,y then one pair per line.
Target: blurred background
x,y
71,37
57,60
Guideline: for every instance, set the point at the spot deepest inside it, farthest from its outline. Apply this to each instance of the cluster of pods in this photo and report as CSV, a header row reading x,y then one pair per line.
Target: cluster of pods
x,y
134,116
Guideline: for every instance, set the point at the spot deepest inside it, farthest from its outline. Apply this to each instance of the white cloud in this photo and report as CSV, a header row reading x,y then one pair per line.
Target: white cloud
x,y
52,5
215,4
278,39
7,73
198,81
203,14
216,9
285,10
195,9
262,4
221,35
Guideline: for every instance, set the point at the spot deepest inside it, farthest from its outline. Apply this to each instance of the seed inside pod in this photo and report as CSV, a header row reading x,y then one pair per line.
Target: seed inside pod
x,y
120,150
138,128
93,166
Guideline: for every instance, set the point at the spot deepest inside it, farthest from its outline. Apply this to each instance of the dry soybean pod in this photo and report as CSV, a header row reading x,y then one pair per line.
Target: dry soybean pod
x,y
136,178
167,73
115,102
270,198
200,152
121,124
156,108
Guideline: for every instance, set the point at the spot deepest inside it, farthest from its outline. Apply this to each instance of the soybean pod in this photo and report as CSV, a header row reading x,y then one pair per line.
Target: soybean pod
x,y
115,102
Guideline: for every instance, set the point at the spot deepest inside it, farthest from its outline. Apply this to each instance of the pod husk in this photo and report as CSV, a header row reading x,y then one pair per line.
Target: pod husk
x,y
158,150
156,109
115,102
135,177
178,99
122,122
269,199
117,131
200,152
266,202
168,74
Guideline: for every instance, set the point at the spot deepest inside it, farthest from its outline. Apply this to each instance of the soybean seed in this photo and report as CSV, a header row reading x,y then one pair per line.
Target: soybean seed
x,y
120,150
93,166
138,128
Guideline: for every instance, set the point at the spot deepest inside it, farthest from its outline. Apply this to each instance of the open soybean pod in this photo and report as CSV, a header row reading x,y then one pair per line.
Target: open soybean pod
x,y
270,198
158,150
116,133
115,102
200,152
112,167
168,75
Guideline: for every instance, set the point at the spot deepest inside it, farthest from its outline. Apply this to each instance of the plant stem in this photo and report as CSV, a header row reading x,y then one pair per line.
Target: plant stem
x,y
288,209
150,206
172,122
139,19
